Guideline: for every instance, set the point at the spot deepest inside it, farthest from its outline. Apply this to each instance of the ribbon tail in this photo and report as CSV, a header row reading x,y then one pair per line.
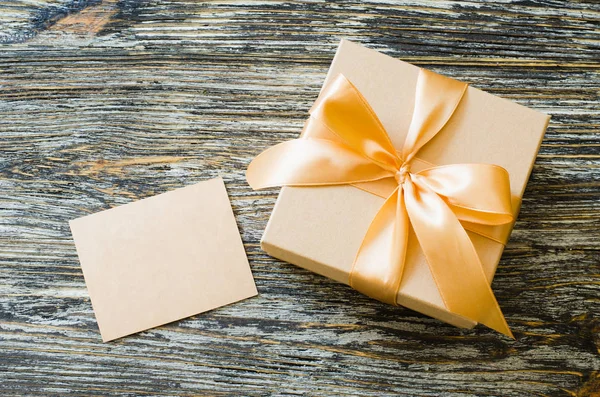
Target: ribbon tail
x,y
453,261
311,162
379,264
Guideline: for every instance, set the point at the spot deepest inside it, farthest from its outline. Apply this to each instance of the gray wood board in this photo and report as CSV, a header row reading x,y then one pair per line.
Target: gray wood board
x,y
106,102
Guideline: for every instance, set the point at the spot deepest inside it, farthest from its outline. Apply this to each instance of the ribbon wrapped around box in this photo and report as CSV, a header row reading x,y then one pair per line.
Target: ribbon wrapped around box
x,y
404,184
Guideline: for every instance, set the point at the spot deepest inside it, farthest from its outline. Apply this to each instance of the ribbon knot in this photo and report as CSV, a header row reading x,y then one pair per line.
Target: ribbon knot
x,y
344,142
401,174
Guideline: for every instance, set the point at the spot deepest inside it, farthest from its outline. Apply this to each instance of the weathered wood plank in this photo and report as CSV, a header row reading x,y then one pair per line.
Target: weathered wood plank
x,y
105,102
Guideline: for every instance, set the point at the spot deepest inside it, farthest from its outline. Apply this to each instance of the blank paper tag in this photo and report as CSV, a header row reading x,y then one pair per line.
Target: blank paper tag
x,y
162,258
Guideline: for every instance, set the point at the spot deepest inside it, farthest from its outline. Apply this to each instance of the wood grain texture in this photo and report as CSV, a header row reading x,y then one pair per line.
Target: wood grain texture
x,y
106,102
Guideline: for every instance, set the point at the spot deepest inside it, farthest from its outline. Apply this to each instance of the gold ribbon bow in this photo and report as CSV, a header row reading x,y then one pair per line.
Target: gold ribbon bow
x,y
345,143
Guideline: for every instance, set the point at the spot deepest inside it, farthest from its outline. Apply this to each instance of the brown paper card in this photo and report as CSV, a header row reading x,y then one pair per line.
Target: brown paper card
x,y
321,228
162,258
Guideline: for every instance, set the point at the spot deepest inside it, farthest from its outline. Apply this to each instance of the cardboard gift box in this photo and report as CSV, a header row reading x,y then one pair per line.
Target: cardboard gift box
x,y
321,228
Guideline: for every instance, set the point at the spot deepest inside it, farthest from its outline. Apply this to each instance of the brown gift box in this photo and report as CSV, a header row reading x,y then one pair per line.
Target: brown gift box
x,y
321,228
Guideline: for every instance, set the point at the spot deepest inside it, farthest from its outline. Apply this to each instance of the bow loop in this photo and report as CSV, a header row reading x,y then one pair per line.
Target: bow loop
x,y
311,162
478,193
436,99
346,113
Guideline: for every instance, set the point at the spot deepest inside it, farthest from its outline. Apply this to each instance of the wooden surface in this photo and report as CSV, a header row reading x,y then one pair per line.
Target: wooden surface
x,y
105,102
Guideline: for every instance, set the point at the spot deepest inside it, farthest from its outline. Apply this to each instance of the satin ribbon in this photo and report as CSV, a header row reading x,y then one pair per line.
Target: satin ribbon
x,y
345,143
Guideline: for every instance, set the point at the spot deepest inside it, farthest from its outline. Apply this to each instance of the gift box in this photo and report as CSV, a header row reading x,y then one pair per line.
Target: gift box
x,y
321,225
